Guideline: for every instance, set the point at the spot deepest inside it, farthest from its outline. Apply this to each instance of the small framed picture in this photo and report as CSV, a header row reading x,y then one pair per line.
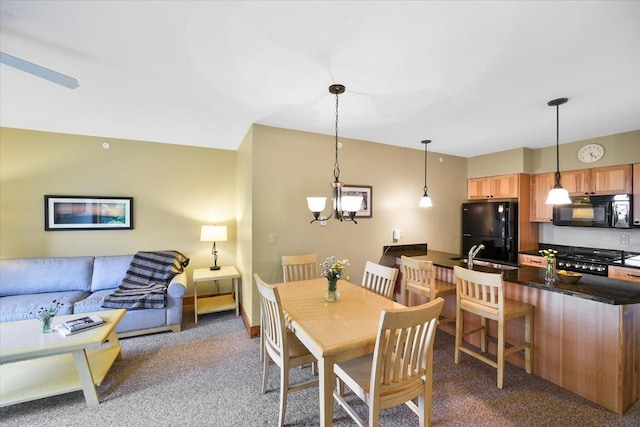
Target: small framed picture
x,y
366,191
64,213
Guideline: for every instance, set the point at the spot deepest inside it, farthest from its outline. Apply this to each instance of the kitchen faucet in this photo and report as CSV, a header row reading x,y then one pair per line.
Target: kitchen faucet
x,y
472,254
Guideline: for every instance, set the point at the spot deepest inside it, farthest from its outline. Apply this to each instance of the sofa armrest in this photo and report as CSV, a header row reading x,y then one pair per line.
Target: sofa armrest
x,y
178,286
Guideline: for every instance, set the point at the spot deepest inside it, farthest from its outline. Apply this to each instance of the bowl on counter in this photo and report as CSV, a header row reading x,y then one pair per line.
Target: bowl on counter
x,y
568,276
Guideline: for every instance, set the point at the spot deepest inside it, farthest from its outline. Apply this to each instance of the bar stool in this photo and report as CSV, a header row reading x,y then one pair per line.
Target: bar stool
x,y
482,294
419,278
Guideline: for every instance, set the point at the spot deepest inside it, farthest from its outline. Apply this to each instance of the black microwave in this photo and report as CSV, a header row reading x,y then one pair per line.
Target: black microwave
x,y
595,211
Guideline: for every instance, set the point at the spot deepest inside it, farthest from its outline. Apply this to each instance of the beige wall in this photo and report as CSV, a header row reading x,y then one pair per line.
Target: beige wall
x,y
258,190
175,190
244,215
622,148
291,165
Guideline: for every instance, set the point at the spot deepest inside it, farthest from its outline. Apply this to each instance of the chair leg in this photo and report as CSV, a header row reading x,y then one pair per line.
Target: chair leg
x,y
284,391
528,336
500,355
425,403
265,371
459,332
261,341
483,334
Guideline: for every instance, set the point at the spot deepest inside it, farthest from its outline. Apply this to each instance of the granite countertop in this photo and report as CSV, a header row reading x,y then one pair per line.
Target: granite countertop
x,y
596,288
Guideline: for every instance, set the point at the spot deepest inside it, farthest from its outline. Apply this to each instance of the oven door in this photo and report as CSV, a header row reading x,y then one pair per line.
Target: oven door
x,y
584,212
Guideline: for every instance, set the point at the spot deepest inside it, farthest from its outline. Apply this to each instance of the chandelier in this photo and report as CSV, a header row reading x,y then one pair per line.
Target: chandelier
x,y
344,207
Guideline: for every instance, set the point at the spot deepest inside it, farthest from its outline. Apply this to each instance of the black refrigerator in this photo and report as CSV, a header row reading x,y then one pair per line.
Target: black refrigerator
x,y
495,225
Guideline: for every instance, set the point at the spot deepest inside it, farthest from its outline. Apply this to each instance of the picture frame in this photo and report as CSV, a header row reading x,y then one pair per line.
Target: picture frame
x,y
67,213
366,191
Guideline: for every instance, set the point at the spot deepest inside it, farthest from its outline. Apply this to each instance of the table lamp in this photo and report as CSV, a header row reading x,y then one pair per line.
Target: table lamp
x,y
214,233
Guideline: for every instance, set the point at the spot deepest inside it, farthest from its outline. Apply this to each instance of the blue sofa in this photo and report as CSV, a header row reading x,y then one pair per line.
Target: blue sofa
x,y
81,284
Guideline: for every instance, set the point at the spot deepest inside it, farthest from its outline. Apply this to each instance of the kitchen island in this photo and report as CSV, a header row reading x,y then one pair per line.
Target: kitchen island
x,y
586,335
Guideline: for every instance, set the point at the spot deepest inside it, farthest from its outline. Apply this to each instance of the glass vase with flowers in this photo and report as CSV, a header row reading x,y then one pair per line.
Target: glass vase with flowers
x,y
550,272
334,269
46,314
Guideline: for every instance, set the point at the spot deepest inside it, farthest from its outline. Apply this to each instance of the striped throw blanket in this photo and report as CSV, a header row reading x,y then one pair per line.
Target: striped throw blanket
x,y
145,284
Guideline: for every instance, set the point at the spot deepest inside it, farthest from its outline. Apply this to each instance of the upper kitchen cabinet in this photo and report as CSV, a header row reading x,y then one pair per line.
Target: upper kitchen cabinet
x,y
598,181
540,185
494,187
636,194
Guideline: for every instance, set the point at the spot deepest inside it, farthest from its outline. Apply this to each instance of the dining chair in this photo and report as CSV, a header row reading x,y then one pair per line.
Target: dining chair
x,y
419,278
281,345
380,279
400,368
300,267
482,294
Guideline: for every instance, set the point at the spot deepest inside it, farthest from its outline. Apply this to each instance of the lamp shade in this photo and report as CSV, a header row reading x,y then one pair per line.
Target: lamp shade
x,y
425,202
351,203
213,233
558,196
316,204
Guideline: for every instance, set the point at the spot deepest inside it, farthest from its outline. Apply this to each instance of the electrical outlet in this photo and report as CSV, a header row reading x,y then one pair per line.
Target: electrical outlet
x,y
272,239
624,239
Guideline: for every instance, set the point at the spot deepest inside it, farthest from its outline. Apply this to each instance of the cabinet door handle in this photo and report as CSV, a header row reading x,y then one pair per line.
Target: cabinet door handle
x,y
633,275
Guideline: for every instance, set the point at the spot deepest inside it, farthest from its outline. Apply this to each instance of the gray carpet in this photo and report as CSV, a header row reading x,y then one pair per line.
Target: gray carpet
x,y
210,375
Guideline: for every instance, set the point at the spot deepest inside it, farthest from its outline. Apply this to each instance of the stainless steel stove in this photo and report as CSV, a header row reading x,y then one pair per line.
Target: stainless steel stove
x,y
586,260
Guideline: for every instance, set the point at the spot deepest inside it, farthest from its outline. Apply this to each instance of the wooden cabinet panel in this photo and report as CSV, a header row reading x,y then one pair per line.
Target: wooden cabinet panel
x,y
607,180
540,186
624,273
478,188
577,182
611,180
493,187
532,260
636,194
505,186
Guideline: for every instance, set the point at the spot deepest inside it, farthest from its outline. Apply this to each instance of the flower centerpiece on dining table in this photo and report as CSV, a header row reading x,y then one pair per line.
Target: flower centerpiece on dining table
x,y
550,272
334,269
45,314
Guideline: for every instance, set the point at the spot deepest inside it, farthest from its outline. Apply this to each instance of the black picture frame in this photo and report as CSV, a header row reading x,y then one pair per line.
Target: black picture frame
x,y
69,213
366,191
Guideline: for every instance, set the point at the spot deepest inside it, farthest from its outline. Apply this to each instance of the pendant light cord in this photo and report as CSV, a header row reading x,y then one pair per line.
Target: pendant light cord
x,y
425,168
557,145
336,165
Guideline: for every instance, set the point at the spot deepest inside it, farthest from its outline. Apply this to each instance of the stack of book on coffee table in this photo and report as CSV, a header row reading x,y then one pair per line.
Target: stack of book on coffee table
x,y
80,324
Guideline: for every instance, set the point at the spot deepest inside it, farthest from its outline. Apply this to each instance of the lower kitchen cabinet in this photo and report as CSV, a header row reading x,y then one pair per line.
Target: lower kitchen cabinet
x,y
532,260
624,273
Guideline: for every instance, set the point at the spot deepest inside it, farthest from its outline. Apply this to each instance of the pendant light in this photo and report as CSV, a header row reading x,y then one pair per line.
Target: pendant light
x,y
558,195
425,200
341,204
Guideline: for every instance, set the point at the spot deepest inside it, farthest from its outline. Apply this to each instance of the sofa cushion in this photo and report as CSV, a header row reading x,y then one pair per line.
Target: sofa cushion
x,y
38,275
108,271
134,320
23,307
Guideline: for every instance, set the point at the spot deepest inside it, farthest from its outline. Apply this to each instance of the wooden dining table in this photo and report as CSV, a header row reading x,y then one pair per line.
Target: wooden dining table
x,y
333,332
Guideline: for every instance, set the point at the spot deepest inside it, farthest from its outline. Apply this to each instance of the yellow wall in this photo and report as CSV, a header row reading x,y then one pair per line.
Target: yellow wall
x,y
175,190
256,191
291,165
621,148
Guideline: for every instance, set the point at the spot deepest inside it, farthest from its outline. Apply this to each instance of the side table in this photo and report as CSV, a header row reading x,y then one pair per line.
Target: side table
x,y
219,302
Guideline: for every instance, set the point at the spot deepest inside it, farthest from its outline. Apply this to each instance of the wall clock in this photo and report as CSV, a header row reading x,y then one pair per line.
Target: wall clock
x,y
590,153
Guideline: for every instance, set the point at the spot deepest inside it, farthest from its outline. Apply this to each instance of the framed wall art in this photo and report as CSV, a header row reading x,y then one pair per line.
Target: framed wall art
x,y
87,213
366,191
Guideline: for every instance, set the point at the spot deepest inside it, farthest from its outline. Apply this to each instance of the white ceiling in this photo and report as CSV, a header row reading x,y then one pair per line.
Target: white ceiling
x,y
475,77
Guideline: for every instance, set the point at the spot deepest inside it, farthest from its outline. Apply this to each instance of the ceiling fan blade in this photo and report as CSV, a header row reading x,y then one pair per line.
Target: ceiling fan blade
x,y
37,70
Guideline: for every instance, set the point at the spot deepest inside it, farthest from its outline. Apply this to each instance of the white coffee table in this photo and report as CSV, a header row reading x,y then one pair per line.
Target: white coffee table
x,y
37,365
